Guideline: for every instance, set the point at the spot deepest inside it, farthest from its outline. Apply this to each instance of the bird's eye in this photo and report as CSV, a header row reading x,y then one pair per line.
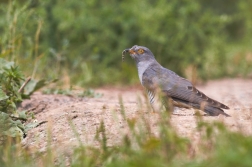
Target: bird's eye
x,y
140,51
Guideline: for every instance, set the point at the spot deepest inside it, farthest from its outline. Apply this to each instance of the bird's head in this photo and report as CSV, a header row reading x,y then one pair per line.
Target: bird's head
x,y
139,53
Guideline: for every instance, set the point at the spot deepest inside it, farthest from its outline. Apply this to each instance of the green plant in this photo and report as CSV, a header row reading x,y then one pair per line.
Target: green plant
x,y
11,95
70,92
84,40
142,145
10,83
216,146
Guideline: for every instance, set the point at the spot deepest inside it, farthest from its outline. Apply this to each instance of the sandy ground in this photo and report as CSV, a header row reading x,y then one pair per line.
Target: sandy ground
x,y
85,114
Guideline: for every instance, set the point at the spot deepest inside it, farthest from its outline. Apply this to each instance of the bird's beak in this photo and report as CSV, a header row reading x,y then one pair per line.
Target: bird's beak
x,y
131,51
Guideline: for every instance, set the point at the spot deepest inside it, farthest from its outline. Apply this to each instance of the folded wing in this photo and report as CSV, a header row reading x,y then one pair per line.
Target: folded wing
x,y
176,87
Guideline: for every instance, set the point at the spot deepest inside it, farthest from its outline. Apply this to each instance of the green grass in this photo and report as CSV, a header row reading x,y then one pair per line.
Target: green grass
x,y
83,41
216,146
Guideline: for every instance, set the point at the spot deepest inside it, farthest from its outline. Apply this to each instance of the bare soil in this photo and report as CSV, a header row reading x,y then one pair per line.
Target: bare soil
x,y
69,118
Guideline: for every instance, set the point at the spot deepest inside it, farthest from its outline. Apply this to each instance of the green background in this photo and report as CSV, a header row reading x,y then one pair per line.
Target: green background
x,y
80,42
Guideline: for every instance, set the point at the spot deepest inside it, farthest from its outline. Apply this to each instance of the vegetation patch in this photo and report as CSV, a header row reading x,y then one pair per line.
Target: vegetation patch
x,y
12,92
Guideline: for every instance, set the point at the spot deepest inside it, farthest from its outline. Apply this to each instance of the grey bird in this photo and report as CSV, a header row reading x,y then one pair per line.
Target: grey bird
x,y
179,90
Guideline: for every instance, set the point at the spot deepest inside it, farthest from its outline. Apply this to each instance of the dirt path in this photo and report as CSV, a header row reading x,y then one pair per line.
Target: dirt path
x,y
85,114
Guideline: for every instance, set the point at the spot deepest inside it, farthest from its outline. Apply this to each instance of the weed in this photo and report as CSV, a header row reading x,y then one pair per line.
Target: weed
x,y
216,146
70,92
11,95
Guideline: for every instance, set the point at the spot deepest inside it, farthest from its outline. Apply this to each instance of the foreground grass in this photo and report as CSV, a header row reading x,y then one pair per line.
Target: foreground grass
x,y
216,146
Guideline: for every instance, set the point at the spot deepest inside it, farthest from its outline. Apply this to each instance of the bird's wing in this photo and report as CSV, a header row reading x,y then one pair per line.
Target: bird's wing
x,y
175,86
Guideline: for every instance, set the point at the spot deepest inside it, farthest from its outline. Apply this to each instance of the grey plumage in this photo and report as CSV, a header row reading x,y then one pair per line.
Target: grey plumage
x,y
153,76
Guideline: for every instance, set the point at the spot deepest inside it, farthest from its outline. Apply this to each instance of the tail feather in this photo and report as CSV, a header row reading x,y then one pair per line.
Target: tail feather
x,y
213,111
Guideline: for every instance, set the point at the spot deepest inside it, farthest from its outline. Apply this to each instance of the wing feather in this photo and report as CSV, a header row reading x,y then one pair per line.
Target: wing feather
x,y
175,86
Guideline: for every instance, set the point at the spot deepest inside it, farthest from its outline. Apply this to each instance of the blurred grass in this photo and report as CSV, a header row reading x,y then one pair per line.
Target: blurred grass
x,y
215,145
83,40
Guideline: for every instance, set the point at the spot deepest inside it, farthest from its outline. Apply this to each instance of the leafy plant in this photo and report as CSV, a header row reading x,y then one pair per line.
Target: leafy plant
x,y
34,85
11,120
10,83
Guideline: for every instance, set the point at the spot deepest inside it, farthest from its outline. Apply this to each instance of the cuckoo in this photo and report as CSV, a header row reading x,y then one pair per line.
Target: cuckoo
x,y
179,91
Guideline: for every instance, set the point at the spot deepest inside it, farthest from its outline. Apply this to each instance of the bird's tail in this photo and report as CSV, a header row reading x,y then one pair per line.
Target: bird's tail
x,y
212,111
